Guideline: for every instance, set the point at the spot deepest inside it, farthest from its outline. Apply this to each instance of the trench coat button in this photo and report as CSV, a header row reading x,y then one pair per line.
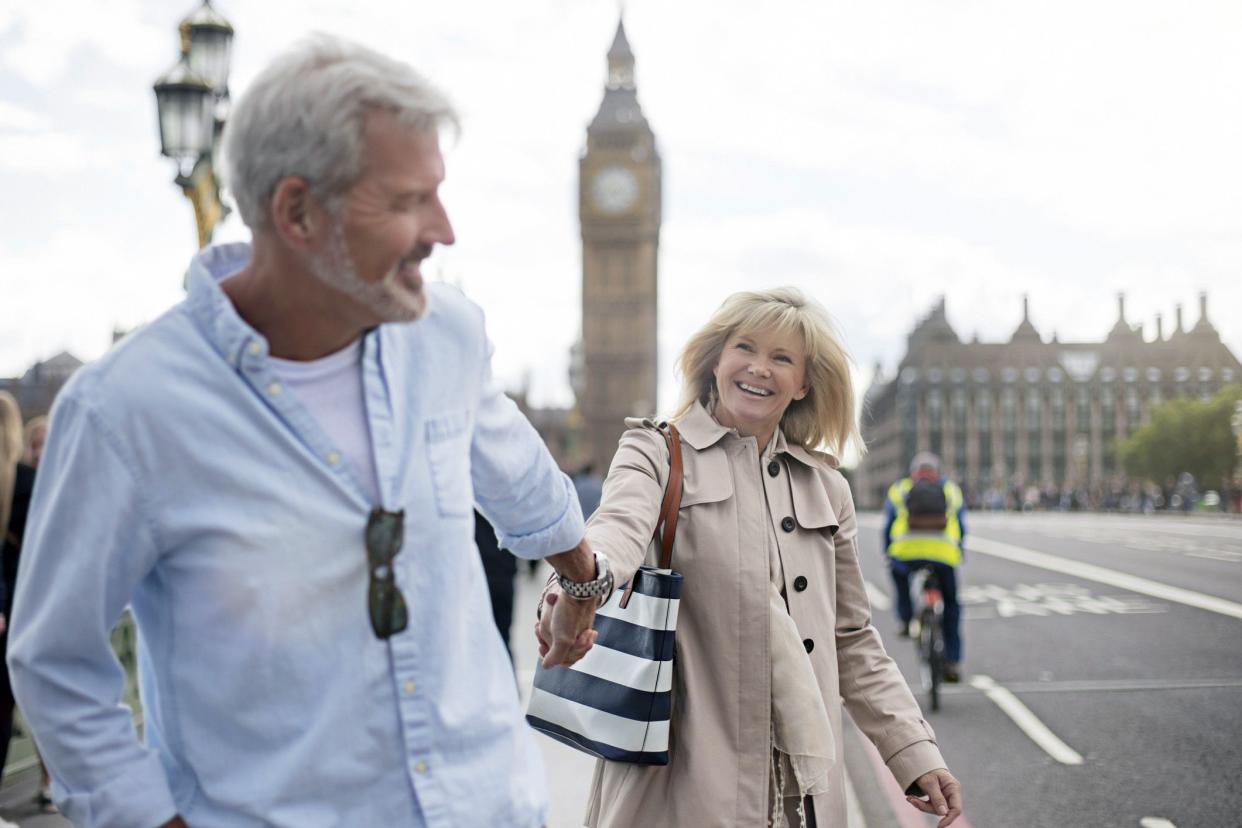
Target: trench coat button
x,y
787,524
774,468
800,583
809,644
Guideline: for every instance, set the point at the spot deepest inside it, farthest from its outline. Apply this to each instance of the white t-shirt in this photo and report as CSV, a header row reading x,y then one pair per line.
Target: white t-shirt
x,y
331,389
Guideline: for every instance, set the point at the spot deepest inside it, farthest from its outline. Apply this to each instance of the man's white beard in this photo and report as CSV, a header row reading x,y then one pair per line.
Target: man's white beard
x,y
336,269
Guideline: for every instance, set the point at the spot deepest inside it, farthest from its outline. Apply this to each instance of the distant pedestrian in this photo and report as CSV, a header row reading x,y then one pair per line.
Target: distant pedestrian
x,y
589,488
16,485
499,568
925,525
32,453
35,437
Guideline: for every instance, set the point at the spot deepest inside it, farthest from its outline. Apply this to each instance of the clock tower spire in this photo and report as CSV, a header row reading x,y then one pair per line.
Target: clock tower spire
x,y
619,211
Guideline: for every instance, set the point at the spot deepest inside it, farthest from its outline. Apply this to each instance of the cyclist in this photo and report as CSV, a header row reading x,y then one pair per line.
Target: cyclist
x,y
924,526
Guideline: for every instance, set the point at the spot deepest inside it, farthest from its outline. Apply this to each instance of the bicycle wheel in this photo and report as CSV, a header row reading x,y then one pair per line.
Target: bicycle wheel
x,y
932,640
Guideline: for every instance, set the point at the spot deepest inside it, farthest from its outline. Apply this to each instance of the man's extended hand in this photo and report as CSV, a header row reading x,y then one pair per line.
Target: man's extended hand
x,y
564,629
944,796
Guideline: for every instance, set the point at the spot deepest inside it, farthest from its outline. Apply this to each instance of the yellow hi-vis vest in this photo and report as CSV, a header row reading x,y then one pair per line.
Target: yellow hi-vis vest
x,y
943,546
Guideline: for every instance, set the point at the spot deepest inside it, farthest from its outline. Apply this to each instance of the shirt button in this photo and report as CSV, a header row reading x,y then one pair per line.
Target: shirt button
x,y
408,688
420,767
809,644
333,458
255,349
774,468
787,524
274,389
800,583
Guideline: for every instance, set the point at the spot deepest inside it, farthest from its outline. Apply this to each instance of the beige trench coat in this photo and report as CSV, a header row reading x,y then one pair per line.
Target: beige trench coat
x,y
718,771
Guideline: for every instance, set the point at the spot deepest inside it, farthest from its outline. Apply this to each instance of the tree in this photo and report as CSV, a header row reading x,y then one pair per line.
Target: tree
x,y
1186,435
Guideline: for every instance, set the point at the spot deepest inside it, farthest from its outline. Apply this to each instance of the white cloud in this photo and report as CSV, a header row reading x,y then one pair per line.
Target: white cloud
x,y
877,154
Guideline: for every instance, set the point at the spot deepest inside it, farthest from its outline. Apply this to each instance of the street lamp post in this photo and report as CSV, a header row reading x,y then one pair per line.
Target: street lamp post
x,y
192,100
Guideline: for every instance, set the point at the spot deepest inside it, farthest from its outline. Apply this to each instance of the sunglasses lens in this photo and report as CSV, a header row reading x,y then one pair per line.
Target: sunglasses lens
x,y
387,609
385,603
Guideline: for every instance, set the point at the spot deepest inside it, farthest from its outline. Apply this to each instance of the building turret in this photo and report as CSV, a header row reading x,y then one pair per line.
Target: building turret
x,y
1204,327
1025,332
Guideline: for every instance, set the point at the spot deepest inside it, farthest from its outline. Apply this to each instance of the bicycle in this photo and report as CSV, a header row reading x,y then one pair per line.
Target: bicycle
x,y
928,631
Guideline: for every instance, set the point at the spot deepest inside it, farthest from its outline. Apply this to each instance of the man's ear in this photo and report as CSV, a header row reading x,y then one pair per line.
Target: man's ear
x,y
295,213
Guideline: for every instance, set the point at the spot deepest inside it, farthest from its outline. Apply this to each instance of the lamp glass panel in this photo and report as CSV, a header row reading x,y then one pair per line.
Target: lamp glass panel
x,y
185,121
209,55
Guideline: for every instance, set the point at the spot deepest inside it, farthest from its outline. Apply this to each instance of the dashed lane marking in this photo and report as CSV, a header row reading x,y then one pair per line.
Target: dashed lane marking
x,y
853,811
1027,721
1099,574
1155,822
879,599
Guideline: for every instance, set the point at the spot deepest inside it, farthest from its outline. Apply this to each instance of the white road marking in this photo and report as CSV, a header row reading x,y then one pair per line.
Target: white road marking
x,y
879,598
1027,721
853,811
1112,577
1155,822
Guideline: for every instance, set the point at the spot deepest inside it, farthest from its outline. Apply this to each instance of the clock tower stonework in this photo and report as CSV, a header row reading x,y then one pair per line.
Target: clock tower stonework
x,y
619,210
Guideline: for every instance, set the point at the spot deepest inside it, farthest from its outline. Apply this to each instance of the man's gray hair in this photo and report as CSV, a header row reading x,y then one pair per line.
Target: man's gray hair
x,y
925,460
304,115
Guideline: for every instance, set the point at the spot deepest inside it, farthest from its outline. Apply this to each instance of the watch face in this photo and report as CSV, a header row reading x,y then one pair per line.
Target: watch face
x,y
614,190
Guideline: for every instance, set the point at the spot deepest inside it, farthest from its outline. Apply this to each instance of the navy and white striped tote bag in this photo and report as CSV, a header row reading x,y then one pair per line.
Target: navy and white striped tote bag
x,y
615,702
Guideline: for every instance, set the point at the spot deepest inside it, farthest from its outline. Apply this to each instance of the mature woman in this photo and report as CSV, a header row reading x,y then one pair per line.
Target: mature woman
x,y
774,624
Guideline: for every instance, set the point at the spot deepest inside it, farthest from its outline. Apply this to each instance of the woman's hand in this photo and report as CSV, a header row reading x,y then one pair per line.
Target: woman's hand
x,y
564,627
944,796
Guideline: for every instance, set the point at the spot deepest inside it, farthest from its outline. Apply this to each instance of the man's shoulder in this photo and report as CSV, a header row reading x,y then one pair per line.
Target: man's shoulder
x,y
448,307
132,369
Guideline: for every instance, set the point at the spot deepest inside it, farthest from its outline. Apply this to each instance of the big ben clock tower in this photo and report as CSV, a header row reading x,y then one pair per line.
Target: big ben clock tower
x,y
619,208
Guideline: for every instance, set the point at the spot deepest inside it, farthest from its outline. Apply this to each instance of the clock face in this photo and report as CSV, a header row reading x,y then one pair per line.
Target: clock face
x,y
614,190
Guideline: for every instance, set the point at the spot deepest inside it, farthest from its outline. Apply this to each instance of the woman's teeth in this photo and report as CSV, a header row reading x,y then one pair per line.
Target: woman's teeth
x,y
750,389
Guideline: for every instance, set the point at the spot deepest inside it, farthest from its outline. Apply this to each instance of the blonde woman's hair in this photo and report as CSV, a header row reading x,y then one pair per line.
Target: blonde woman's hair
x,y
825,416
10,454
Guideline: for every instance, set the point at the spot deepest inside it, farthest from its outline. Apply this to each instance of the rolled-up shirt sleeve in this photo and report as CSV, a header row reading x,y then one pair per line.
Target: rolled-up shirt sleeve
x,y
89,541
517,485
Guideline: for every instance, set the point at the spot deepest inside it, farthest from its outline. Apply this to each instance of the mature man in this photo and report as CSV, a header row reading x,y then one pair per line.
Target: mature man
x,y
278,476
925,525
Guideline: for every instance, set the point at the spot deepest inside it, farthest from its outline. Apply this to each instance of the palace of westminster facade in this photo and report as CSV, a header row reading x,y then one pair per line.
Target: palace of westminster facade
x,y
1028,411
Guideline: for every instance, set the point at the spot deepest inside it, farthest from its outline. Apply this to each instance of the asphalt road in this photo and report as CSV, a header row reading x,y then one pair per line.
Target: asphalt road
x,y
1146,689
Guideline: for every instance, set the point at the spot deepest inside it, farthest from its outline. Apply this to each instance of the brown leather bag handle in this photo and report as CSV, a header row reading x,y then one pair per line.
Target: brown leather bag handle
x,y
671,506
669,509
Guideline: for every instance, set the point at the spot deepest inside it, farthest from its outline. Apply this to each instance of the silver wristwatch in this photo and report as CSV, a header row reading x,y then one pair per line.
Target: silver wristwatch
x,y
598,588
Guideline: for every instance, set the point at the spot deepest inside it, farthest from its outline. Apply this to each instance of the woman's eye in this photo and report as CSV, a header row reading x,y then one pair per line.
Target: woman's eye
x,y
743,346
785,359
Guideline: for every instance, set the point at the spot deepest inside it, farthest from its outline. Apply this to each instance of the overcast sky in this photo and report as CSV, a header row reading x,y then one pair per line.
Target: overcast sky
x,y
877,154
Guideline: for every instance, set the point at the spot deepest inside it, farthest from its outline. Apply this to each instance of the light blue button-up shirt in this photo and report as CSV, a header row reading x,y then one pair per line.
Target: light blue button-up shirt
x,y
182,479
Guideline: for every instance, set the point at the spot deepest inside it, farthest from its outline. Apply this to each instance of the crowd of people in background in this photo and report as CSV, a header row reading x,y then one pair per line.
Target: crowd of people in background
x,y
1182,494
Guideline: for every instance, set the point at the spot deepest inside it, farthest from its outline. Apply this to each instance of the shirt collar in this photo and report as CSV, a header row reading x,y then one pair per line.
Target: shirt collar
x,y
227,332
701,430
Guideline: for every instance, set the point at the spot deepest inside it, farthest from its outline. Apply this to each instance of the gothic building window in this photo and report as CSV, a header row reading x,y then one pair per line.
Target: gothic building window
x,y
1009,428
935,419
908,413
1083,405
1132,409
958,406
983,416
1056,404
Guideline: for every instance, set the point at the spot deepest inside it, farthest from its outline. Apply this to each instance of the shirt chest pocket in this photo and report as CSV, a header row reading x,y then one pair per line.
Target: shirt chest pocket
x,y
448,456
